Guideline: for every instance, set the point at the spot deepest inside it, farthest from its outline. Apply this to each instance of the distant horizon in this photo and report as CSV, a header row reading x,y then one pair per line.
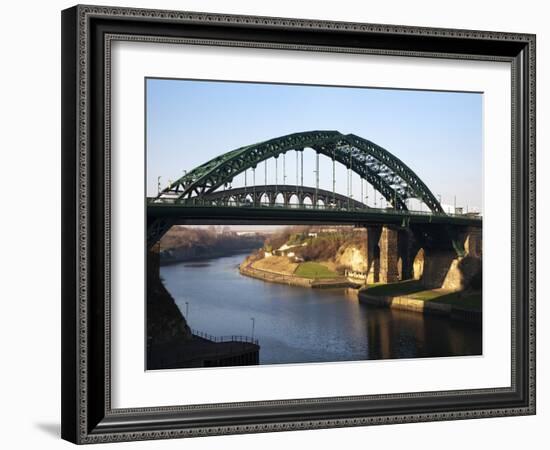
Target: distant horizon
x,y
437,134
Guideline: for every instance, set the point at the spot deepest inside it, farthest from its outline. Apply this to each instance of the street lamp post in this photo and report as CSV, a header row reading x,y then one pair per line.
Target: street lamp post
x,y
253,325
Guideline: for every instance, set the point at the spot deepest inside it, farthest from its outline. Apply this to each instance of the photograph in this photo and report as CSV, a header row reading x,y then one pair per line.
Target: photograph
x,y
275,219
294,223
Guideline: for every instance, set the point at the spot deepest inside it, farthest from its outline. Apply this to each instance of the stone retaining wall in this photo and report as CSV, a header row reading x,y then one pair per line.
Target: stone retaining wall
x,y
420,306
292,280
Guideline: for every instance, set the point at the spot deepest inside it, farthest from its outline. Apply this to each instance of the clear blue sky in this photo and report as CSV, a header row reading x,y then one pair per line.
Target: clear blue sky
x,y
437,134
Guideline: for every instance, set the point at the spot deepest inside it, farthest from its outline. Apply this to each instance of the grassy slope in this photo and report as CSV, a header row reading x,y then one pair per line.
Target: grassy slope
x,y
314,270
468,300
414,289
277,264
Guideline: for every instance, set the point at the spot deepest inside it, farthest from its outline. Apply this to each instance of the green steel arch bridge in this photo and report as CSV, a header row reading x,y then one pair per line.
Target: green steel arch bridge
x,y
206,193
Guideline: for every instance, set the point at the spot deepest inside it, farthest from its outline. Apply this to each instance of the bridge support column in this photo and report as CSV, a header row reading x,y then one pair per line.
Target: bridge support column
x,y
473,244
407,249
389,255
373,254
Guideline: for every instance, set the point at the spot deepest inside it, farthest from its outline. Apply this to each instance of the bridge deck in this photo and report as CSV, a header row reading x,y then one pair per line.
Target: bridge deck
x,y
299,214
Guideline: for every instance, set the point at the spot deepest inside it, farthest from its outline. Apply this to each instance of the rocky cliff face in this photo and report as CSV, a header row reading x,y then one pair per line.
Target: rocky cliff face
x,y
446,270
165,322
352,256
463,274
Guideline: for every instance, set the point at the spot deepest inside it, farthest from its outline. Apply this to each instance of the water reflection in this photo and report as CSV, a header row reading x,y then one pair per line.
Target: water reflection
x,y
404,334
296,325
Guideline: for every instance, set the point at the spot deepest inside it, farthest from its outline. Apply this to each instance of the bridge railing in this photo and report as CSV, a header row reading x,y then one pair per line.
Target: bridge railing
x,y
229,338
197,202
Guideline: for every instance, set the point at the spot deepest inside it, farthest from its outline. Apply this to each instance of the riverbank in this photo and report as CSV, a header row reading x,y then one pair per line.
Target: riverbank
x,y
299,325
410,295
167,259
292,280
172,344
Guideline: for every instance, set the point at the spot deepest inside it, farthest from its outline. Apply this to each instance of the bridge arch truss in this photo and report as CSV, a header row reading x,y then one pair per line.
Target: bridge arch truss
x,y
268,195
390,176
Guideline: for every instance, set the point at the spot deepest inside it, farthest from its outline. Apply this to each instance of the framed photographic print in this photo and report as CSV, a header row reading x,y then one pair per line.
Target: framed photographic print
x,y
256,209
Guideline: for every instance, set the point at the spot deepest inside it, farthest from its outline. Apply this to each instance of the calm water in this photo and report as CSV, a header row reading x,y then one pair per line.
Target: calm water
x,y
296,324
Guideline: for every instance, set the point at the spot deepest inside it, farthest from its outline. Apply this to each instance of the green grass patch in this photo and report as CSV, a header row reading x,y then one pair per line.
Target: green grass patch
x,y
414,289
468,300
314,270
395,289
426,295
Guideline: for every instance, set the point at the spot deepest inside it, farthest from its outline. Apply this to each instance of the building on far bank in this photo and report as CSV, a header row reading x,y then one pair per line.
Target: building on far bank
x,y
289,250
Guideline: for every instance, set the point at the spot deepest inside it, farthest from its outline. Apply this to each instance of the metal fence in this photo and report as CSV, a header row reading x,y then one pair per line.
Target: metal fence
x,y
232,338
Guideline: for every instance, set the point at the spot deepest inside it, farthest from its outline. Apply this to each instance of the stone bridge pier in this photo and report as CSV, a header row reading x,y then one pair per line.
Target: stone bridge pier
x,y
451,257
472,241
436,256
389,254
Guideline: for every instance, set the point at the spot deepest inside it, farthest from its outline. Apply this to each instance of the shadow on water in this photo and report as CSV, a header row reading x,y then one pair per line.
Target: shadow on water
x,y
300,325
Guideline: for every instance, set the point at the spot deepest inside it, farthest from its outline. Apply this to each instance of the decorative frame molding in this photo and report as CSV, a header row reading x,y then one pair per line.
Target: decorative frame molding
x,y
87,34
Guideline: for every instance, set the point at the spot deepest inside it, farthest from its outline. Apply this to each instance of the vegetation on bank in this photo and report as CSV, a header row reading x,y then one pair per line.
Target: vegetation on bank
x,y
283,266
414,289
312,252
185,243
276,264
311,243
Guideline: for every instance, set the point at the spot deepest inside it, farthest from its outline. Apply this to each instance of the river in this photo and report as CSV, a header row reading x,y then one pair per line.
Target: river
x,y
298,325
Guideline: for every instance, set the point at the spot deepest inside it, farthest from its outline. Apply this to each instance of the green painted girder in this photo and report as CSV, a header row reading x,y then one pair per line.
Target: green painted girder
x,y
182,213
386,173
240,195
